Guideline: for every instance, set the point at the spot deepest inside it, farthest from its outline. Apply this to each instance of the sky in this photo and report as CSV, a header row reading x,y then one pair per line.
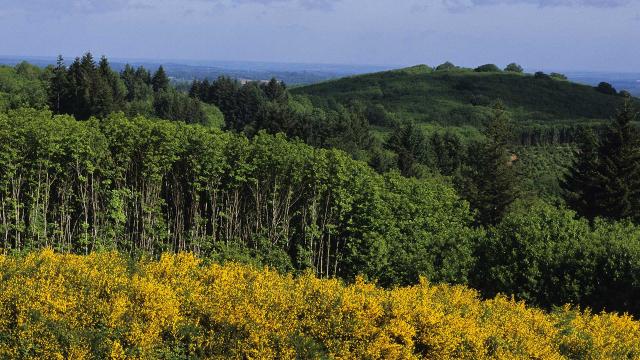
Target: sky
x,y
572,35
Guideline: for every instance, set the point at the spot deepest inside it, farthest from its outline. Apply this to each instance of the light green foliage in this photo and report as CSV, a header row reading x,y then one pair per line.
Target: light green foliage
x,y
22,86
515,68
549,256
214,117
136,184
542,167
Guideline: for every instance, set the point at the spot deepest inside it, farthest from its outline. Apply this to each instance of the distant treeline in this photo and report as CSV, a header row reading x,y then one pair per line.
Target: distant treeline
x,y
86,88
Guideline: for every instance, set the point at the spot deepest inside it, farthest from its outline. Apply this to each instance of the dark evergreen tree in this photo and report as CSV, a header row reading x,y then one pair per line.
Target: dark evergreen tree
x,y
102,98
449,152
605,180
489,180
59,86
275,90
160,80
606,88
412,147
581,185
619,167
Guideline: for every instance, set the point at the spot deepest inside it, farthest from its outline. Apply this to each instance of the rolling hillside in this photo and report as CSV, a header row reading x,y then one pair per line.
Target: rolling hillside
x,y
463,97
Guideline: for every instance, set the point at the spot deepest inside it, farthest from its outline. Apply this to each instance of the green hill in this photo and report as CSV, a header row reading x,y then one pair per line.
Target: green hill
x,y
463,96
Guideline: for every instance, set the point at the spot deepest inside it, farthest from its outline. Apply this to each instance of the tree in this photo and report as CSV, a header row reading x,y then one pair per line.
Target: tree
x,y
619,167
412,147
275,90
606,88
446,66
558,76
605,182
487,68
541,75
581,189
59,85
513,67
489,180
449,152
160,80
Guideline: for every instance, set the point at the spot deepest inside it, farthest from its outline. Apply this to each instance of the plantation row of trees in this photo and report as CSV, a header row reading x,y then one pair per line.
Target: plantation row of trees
x,y
140,185
153,186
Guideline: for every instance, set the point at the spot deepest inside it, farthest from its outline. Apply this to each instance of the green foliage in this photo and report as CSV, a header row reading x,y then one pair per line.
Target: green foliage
x,y
22,86
86,88
558,76
254,107
514,68
160,80
606,88
605,179
541,169
547,256
487,68
455,98
140,185
172,105
411,145
446,66
489,180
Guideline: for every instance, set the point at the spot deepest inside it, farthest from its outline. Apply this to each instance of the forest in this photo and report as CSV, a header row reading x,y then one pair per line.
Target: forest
x,y
345,200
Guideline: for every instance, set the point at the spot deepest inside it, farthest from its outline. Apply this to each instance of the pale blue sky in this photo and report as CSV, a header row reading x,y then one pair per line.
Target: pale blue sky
x,y
540,34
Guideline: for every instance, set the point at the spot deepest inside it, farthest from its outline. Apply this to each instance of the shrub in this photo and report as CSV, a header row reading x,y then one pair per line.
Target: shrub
x,y
99,306
513,67
487,68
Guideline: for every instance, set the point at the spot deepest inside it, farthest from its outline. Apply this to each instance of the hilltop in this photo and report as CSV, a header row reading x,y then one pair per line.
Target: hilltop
x,y
463,96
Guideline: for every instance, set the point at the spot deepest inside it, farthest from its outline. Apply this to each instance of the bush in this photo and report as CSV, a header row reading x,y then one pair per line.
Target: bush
x,y
513,67
541,75
104,306
487,68
446,66
558,76
606,88
547,256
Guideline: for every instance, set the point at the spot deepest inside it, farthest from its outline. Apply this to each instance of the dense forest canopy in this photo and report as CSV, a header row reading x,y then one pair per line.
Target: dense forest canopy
x,y
259,173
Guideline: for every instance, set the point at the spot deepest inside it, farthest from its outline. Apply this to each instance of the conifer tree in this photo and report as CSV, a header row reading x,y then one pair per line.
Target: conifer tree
x,y
619,167
605,181
59,85
489,181
412,147
581,189
160,80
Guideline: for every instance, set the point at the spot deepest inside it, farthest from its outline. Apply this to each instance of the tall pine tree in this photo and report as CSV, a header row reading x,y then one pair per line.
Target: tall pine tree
x,y
606,182
59,86
489,181
160,80
581,185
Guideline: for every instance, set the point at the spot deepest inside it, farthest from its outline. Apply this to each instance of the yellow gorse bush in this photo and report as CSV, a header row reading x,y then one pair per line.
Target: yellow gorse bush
x,y
103,306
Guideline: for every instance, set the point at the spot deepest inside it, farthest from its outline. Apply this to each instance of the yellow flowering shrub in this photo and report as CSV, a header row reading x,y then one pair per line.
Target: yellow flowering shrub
x,y
101,306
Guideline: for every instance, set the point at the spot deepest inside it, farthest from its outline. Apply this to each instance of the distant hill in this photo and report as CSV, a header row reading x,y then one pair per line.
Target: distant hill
x,y
464,97
188,70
